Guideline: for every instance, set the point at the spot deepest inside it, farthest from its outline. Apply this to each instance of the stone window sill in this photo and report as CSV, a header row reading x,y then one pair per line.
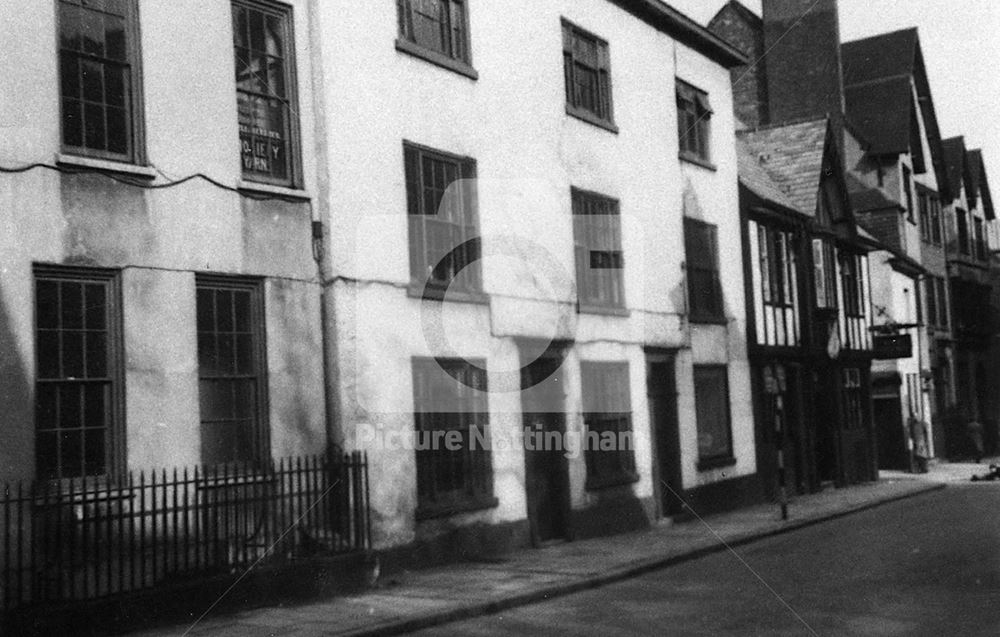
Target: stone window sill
x,y
439,59
122,169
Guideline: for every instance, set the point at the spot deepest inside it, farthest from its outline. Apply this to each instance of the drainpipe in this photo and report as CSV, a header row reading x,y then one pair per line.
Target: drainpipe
x,y
320,235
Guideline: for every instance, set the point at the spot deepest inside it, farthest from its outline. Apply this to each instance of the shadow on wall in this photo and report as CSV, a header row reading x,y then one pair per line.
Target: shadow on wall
x,y
16,420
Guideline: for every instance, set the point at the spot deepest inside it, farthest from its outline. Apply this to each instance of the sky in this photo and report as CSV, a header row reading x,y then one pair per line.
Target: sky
x,y
961,45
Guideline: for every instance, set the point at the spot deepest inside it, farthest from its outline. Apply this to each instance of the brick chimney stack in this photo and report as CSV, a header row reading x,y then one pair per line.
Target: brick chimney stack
x,y
804,69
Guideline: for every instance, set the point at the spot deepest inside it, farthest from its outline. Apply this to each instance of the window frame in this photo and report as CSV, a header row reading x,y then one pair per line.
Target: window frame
x,y
421,284
714,315
931,293
114,443
980,251
694,102
477,492
286,13
261,430
963,234
942,289
406,39
824,270
726,457
136,135
594,377
777,290
613,286
602,71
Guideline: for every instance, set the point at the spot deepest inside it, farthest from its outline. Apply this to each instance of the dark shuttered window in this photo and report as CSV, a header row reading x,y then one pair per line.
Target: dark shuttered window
x,y
694,113
440,26
453,474
587,67
711,397
77,390
599,261
608,412
443,225
701,246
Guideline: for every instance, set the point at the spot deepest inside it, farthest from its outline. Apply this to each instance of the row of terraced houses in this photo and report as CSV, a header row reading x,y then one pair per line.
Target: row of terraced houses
x,y
248,270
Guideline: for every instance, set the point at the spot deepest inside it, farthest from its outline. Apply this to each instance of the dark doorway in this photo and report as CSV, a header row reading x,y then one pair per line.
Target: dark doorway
x,y
826,412
546,474
893,452
661,389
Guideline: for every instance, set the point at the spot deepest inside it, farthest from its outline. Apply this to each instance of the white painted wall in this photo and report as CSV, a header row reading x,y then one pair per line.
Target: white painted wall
x,y
512,120
158,238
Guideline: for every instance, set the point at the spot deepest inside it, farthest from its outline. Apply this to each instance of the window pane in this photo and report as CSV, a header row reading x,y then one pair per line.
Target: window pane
x,y
206,310
114,87
69,75
118,132
48,354
227,354
70,27
97,355
96,310
115,38
216,399
227,402
72,306
275,36
47,304
93,119
208,357
93,452
70,409
93,33
242,308
244,354
72,123
224,308
712,409
72,354
241,26
95,406
256,30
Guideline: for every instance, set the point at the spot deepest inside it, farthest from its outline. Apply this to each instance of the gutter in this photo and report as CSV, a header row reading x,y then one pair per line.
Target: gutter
x,y
684,30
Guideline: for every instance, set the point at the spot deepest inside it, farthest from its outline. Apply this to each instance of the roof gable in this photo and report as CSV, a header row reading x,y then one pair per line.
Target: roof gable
x,y
875,71
883,112
980,185
792,157
880,56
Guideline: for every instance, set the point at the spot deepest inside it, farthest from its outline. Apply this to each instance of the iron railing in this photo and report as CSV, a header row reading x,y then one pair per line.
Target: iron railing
x,y
88,539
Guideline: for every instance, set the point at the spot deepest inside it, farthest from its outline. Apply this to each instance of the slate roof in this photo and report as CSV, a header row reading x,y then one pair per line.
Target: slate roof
x,y
881,56
882,112
880,74
864,198
792,156
755,178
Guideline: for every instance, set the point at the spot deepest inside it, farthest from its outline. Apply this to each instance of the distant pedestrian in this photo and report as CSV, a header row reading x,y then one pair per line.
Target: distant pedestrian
x,y
921,452
975,431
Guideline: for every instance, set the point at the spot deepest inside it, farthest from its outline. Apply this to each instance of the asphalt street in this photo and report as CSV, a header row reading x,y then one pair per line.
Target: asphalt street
x,y
925,566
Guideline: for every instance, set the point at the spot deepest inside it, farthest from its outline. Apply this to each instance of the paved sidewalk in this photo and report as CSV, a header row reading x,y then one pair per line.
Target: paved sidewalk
x,y
945,471
431,597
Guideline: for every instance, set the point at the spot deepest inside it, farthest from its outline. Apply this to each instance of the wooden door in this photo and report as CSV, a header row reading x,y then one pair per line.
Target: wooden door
x,y
661,390
546,471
